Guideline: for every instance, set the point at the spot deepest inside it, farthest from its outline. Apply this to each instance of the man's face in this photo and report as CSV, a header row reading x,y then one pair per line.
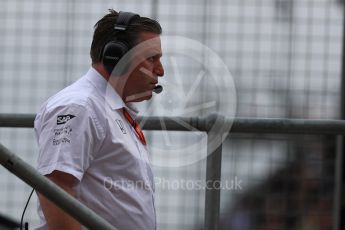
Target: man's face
x,y
147,67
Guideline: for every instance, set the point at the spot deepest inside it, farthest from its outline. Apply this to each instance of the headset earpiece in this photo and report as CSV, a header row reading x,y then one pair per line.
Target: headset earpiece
x,y
113,51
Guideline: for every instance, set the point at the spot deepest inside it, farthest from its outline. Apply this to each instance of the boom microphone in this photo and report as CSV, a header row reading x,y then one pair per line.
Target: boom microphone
x,y
158,89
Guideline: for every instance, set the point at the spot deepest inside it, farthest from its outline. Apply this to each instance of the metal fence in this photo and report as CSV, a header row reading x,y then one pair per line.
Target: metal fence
x,y
327,191
285,60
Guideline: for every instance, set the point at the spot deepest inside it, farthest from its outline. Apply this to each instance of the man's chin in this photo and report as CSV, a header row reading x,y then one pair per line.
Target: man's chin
x,y
139,97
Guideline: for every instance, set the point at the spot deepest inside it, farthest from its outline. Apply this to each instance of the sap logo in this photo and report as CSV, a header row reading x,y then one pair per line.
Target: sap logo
x,y
62,119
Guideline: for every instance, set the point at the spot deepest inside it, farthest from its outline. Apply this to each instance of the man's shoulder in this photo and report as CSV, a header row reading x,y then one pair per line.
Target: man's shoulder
x,y
79,99
80,93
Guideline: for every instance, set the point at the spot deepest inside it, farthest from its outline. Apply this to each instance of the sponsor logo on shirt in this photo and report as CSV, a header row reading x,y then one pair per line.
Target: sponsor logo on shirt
x,y
62,135
121,126
61,141
62,119
67,130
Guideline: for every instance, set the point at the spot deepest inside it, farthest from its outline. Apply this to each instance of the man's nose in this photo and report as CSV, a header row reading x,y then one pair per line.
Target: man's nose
x,y
159,70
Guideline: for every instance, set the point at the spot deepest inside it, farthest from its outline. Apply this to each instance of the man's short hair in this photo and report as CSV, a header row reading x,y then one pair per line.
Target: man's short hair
x,y
104,33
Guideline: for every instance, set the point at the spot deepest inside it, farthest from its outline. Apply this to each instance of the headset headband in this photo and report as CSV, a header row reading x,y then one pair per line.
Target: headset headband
x,y
113,51
124,19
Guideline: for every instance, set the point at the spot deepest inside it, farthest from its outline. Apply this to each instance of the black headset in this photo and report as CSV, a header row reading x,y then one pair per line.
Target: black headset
x,y
113,51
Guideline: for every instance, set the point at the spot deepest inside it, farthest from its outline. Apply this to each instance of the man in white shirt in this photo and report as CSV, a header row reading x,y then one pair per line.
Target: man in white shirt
x,y
89,141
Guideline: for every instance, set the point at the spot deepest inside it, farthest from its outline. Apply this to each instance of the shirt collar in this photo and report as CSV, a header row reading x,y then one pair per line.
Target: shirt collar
x,y
112,98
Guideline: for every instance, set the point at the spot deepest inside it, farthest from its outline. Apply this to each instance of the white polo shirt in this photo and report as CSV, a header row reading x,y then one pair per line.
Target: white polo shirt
x,y
81,131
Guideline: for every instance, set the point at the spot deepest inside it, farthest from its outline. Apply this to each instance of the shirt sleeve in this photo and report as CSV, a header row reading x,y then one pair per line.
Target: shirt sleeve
x,y
67,139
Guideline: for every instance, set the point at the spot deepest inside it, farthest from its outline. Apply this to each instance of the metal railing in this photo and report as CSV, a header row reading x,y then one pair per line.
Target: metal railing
x,y
7,222
213,167
53,192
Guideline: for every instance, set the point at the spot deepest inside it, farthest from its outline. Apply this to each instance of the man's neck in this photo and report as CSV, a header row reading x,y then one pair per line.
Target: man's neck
x,y
117,83
101,70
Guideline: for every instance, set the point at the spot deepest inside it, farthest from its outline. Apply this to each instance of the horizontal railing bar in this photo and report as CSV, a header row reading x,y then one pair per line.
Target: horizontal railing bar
x,y
239,125
288,126
12,120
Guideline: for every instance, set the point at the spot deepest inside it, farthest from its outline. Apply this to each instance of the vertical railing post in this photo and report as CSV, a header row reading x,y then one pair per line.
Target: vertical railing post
x,y
212,195
337,201
340,216
213,174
